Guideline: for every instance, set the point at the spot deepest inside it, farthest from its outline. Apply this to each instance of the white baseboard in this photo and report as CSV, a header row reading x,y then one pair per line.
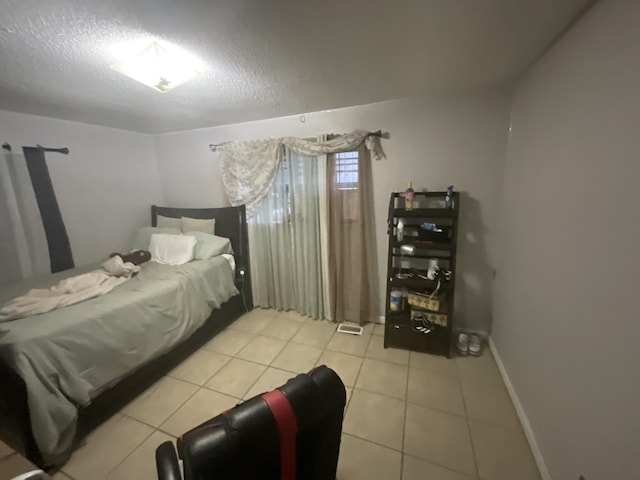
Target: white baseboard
x,y
380,319
531,438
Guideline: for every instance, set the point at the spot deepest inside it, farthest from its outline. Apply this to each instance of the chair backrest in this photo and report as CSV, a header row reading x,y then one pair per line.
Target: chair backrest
x,y
244,442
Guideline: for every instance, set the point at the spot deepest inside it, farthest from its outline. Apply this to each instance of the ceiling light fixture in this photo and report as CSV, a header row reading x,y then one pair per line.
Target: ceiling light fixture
x,y
158,65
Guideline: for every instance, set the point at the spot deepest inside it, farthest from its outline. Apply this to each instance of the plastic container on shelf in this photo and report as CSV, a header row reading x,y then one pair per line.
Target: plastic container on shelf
x,y
404,300
395,301
448,201
409,194
400,230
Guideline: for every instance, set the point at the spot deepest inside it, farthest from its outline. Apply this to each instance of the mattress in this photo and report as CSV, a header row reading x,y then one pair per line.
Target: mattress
x,y
68,356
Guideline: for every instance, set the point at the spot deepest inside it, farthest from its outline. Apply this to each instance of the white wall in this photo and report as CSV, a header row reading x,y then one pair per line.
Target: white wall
x,y
433,142
105,185
566,305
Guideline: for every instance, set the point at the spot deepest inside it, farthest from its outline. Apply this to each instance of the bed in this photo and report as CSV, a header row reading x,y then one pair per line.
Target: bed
x,y
64,372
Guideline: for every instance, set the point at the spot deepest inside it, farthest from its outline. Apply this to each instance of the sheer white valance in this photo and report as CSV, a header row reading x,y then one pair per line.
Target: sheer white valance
x,y
248,167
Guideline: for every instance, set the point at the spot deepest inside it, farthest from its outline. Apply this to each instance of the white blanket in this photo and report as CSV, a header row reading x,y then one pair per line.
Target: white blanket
x,y
70,290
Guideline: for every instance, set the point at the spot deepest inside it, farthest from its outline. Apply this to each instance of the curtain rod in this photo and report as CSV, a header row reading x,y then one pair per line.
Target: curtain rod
x,y
63,150
370,134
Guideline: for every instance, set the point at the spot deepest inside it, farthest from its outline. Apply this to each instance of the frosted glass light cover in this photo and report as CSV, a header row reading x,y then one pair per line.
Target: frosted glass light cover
x,y
159,66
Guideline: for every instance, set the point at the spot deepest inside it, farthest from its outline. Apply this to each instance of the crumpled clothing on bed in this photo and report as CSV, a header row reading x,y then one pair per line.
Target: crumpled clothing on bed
x,y
70,290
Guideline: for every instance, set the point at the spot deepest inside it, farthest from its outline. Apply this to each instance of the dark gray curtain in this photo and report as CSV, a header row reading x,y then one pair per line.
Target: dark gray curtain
x,y
60,254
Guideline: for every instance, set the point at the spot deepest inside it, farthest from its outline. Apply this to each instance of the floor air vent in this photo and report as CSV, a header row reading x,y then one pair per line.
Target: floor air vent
x,y
350,329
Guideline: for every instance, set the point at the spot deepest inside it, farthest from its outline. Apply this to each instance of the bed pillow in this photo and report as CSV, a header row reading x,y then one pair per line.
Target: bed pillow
x,y
168,222
172,249
207,225
143,236
210,246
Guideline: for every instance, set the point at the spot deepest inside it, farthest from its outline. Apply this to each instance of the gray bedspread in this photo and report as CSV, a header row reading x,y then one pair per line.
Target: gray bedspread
x,y
68,356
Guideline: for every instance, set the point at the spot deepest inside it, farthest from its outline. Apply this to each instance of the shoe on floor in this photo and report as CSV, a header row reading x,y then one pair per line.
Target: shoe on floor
x,y
463,344
475,345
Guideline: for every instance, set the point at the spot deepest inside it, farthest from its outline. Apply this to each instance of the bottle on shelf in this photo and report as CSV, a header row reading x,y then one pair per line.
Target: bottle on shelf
x,y
395,301
409,193
433,269
449,198
400,230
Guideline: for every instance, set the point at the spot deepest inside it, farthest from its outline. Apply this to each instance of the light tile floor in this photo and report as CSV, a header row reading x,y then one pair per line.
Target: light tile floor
x,y
410,416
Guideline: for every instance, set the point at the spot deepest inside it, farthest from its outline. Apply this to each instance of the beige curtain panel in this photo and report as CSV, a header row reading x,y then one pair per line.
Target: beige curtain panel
x,y
353,276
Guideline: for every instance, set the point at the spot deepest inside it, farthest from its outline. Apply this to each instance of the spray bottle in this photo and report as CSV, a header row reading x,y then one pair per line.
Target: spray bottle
x,y
449,198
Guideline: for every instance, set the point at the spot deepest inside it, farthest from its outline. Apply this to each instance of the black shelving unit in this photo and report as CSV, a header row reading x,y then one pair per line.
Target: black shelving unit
x,y
401,331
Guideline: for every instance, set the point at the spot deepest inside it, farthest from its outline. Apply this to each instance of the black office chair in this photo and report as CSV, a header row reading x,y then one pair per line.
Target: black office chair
x,y
288,434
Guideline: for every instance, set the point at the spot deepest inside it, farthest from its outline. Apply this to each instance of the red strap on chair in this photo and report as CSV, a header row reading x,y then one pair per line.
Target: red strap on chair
x,y
287,429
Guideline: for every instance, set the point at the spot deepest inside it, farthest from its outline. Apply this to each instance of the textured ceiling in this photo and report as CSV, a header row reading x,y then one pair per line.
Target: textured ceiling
x,y
264,58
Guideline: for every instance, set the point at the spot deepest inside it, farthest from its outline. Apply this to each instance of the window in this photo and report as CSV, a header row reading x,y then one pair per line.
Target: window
x,y
347,170
345,185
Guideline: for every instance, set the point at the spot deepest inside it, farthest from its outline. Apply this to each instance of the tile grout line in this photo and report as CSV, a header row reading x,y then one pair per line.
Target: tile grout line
x,y
224,393
374,443
439,410
207,380
434,371
322,350
445,467
401,452
157,429
142,422
65,474
430,462
468,422
131,452
267,366
355,380
153,427
353,389
287,342
360,389
404,422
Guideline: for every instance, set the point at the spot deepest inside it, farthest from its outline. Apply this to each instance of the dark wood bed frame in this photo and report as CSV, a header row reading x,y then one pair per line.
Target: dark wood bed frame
x,y
15,423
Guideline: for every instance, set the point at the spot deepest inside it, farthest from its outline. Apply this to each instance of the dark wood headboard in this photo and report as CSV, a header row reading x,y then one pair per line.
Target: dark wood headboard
x,y
231,223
